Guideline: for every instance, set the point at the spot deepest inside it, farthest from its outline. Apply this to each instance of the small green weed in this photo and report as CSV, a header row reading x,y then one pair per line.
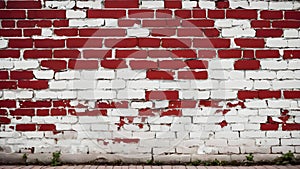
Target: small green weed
x,y
55,159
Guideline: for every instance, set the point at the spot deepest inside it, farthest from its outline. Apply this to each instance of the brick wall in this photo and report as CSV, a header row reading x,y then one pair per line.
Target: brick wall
x,y
150,77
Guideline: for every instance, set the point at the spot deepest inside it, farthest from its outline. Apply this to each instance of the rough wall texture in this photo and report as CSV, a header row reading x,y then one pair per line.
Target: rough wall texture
x,y
150,78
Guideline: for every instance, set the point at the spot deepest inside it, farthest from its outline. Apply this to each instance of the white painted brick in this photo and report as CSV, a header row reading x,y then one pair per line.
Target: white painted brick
x,y
57,84
262,84
296,5
238,4
282,149
252,126
138,32
140,105
263,74
207,84
291,33
244,142
257,119
297,74
47,32
236,84
75,14
207,4
82,84
152,4
279,103
159,120
269,112
223,94
130,74
165,135
238,32
194,94
60,126
218,74
60,4
131,94
67,75
43,74
161,104
6,64
111,22
236,119
67,95
223,23
264,142
24,94
174,85
286,84
227,134
256,104
236,75
293,43
214,142
3,43
96,94
89,4
228,150
279,134
31,134
143,84
143,135
237,127
86,22
246,112
189,4
276,42
252,134
285,74
280,5
26,64
46,95
259,4
101,74
207,119
110,84
241,23
294,64
89,135
273,65
290,141
221,64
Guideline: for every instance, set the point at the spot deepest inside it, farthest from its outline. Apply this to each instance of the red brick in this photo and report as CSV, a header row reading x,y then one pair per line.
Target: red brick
x,y
121,3
172,3
292,15
32,32
61,23
24,5
102,32
171,64
2,4
190,32
176,43
160,75
199,13
289,127
286,24
211,32
3,112
37,54
11,32
54,64
159,53
241,14
49,43
33,84
182,104
246,94
83,64
42,112
247,65
266,14
16,75
84,43
122,43
9,53
34,23
197,64
8,23
250,43
46,127
260,24
148,42
141,13
222,4
267,54
291,94
171,113
101,54
184,54
4,120
211,43
66,32
20,43
269,32
61,103
142,64
25,127
264,94
8,85
216,14
164,13
291,54
230,53
114,64
192,75
35,104
109,105
206,53
249,54
209,103
198,23
106,13
66,54
12,14
58,112
163,32
128,23
146,112
131,54
183,13
22,112
269,126
161,23
3,74
46,14
8,103
162,95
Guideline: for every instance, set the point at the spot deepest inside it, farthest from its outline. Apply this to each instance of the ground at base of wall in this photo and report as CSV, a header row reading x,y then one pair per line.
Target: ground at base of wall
x,y
114,159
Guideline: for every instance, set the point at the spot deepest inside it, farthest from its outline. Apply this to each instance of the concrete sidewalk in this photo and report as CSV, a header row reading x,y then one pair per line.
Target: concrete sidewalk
x,y
150,167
